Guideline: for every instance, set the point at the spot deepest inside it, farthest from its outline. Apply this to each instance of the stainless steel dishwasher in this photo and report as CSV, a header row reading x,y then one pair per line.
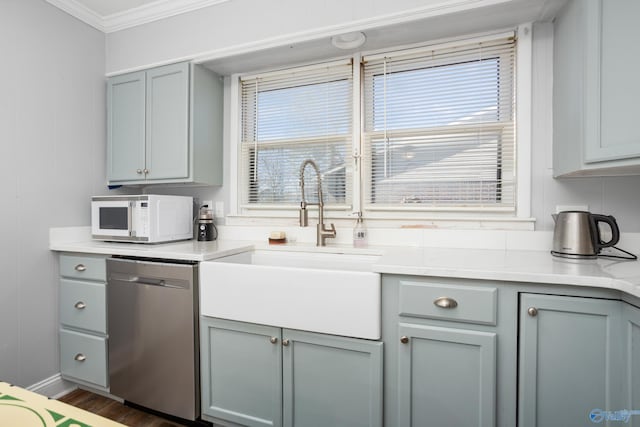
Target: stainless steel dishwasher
x,y
153,334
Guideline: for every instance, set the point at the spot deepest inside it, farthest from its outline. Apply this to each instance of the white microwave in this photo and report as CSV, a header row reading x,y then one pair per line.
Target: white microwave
x,y
148,218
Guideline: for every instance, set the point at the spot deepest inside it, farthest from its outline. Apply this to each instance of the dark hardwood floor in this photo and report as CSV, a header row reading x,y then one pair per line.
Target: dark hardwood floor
x,y
114,410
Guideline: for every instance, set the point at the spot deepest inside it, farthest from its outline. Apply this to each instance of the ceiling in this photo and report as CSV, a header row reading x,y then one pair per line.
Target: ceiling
x,y
114,15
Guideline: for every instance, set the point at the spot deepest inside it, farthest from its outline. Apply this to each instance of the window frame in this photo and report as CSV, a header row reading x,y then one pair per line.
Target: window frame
x,y
433,215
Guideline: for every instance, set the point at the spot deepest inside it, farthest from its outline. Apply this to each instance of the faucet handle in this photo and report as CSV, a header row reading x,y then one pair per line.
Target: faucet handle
x,y
325,233
332,230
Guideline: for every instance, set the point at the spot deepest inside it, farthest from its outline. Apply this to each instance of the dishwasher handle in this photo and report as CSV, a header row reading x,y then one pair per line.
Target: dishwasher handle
x,y
140,280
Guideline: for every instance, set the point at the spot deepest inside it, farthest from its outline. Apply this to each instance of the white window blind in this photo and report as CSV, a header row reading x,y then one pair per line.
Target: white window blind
x,y
439,127
289,116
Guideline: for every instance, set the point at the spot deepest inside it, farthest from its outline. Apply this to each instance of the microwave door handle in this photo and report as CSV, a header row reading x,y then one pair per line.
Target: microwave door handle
x,y
130,218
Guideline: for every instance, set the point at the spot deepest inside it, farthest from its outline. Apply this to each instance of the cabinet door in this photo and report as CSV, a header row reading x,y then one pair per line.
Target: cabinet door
x,y
331,381
241,370
167,122
447,377
631,336
126,127
612,92
569,359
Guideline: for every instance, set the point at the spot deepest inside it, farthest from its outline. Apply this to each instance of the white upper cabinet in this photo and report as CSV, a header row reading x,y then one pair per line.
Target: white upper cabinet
x,y
596,89
164,125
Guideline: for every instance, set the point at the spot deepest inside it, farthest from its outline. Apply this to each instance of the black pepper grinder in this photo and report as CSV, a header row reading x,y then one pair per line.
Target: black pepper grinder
x,y
206,228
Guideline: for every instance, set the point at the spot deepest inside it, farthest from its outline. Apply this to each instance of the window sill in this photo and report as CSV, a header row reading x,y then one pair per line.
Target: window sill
x,y
341,220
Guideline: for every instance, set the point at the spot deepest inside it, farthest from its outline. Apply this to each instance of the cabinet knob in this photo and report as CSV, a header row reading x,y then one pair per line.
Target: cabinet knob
x,y
138,171
80,305
80,267
80,357
445,302
146,171
285,343
273,340
404,339
533,312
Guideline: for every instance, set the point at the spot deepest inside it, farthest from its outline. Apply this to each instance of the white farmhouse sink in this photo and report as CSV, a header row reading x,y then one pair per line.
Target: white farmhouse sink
x,y
320,292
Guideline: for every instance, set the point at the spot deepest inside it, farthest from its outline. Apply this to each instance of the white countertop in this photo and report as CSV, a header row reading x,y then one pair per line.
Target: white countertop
x,y
191,250
537,266
513,265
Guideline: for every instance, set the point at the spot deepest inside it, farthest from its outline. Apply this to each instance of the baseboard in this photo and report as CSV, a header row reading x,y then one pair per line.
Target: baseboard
x,y
53,387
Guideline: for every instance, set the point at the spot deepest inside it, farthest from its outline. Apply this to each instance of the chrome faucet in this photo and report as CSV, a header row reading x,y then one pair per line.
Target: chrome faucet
x,y
322,233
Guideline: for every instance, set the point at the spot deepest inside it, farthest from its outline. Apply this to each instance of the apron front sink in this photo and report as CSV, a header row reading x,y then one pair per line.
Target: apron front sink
x,y
320,292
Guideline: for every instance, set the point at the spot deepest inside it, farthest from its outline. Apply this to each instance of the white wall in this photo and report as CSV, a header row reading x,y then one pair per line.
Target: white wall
x,y
216,28
52,139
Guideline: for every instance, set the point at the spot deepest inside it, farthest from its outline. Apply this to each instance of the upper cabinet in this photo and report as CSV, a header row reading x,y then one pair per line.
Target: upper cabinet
x,y
595,108
164,125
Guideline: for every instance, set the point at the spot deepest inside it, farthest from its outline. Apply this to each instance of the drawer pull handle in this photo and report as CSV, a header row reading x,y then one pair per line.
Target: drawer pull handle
x,y
273,340
404,339
80,357
446,302
285,342
80,267
80,305
533,312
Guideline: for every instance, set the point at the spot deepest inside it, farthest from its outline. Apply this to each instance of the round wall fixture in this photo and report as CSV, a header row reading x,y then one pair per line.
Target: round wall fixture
x,y
348,40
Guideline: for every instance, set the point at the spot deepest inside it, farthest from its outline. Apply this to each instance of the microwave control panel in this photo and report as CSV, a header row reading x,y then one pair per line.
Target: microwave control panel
x,y
140,218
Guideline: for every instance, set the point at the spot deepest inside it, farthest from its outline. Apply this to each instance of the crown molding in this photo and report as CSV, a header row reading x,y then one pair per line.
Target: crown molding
x,y
152,12
157,10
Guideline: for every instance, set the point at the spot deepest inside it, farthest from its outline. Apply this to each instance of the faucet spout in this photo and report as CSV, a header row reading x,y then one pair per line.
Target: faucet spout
x,y
323,233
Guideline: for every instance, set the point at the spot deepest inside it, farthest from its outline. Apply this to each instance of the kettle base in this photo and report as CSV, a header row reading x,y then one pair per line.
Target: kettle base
x,y
573,256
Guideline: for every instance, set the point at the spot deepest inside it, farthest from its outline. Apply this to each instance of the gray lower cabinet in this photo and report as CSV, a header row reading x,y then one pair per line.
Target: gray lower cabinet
x,y
83,319
631,346
444,339
331,381
475,353
241,370
570,359
256,375
447,377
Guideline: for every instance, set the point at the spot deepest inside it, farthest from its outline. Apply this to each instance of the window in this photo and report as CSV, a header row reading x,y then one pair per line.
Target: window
x,y
439,127
438,131
287,117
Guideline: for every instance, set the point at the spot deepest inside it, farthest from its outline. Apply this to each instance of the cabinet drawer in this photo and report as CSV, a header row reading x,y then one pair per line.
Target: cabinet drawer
x,y
83,305
83,267
83,357
449,302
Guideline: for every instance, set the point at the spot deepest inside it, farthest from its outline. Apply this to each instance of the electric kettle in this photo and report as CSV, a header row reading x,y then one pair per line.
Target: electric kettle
x,y
577,235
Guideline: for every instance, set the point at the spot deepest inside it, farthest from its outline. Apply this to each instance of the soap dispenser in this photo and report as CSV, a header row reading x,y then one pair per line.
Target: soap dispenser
x,y
359,233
